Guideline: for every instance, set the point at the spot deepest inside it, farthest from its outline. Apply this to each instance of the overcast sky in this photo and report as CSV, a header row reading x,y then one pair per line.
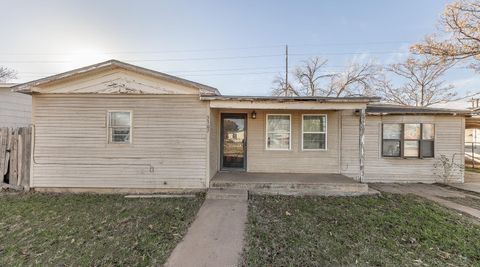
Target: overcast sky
x,y
236,46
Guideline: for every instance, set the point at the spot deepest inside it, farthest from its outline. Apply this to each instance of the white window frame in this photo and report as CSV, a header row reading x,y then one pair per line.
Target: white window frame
x,y
326,133
289,132
130,140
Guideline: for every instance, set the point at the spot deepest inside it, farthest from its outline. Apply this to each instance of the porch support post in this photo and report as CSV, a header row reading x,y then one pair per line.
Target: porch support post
x,y
361,144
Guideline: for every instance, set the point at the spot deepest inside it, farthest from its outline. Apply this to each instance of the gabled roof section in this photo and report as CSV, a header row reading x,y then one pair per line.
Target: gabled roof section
x,y
392,109
112,64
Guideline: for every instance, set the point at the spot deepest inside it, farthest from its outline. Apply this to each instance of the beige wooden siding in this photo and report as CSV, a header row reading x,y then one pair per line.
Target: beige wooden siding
x,y
449,135
168,150
349,144
295,160
15,108
214,142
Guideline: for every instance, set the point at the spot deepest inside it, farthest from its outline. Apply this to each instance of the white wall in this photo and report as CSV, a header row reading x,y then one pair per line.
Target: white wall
x,y
169,146
15,108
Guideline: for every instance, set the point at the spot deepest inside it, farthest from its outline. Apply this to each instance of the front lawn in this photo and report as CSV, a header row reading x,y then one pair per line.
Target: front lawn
x,y
91,230
387,230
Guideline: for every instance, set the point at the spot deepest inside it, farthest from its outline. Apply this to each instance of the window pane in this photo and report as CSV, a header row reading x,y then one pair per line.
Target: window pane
x,y
120,138
392,131
278,123
314,141
427,149
391,148
278,140
428,131
120,119
412,131
410,149
314,123
120,135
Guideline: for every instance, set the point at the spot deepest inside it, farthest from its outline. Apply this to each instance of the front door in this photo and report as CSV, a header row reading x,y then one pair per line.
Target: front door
x,y
233,143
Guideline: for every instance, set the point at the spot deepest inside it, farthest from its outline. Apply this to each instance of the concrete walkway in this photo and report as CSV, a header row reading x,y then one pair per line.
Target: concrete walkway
x,y
434,193
472,187
472,182
216,236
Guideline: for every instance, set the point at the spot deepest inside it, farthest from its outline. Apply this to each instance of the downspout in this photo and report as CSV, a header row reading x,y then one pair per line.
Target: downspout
x,y
361,144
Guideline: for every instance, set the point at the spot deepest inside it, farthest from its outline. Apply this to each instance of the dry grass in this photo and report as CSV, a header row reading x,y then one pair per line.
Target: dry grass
x,y
387,230
91,230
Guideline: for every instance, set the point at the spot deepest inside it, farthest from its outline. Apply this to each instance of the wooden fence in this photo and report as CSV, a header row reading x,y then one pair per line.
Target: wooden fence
x,y
15,152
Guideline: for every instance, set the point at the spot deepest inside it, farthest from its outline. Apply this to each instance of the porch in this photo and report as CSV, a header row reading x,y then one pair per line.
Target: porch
x,y
325,184
286,136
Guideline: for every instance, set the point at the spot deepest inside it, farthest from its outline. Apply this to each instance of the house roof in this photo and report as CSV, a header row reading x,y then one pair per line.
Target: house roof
x,y
355,99
472,122
111,64
7,85
391,109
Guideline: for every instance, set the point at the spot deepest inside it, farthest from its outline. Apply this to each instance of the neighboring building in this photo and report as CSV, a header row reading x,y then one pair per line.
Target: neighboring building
x,y
117,126
15,108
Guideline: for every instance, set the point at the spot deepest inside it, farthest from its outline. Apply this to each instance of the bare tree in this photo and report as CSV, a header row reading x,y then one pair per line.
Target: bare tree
x,y
461,29
421,82
281,88
308,76
356,79
7,74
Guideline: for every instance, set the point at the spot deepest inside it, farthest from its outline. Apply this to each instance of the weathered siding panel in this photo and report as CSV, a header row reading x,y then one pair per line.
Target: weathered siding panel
x,y
449,136
15,109
168,150
295,160
349,157
214,142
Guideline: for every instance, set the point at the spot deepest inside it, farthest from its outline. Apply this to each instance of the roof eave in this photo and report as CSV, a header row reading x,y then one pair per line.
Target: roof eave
x,y
291,99
419,113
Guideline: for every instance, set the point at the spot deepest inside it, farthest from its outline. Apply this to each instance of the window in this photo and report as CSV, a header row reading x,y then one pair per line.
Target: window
x,y
409,140
278,132
392,135
119,127
314,132
428,140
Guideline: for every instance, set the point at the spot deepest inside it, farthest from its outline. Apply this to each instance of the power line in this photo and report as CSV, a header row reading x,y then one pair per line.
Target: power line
x,y
214,49
181,71
215,58
227,71
189,75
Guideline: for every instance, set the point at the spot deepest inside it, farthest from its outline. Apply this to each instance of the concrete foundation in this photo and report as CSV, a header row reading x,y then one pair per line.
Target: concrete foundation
x,y
329,184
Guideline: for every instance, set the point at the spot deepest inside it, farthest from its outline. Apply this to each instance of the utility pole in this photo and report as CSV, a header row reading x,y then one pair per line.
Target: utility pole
x,y
286,70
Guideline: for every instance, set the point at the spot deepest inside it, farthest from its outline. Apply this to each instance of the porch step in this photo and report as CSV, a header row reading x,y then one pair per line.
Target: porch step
x,y
227,193
321,189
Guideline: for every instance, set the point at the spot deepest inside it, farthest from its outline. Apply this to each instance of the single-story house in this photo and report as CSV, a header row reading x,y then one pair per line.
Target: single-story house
x,y
117,126
15,108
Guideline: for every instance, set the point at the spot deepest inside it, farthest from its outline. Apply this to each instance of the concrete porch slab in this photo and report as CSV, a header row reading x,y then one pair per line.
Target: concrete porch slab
x,y
325,184
472,182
